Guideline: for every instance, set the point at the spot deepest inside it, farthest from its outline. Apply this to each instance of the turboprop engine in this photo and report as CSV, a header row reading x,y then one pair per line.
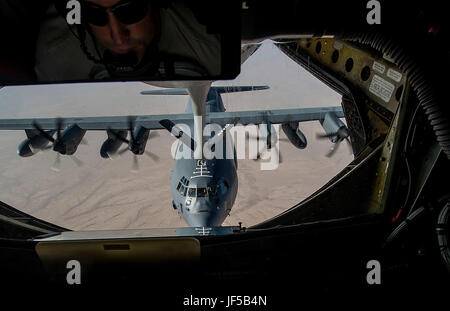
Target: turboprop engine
x,y
294,134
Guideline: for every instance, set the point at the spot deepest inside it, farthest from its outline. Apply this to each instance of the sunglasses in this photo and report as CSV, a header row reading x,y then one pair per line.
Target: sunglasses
x,y
127,12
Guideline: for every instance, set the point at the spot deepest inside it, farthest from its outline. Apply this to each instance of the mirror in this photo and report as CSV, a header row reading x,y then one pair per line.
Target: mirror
x,y
63,41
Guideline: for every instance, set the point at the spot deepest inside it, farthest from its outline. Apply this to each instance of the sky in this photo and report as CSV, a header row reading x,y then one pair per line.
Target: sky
x,y
104,194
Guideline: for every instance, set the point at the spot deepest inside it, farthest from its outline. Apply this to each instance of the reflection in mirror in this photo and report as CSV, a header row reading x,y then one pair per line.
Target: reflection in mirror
x,y
117,40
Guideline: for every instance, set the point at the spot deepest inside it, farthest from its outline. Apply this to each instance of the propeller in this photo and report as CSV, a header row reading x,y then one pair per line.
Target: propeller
x,y
117,136
133,144
258,156
135,167
57,144
337,137
42,132
178,133
77,161
57,164
268,144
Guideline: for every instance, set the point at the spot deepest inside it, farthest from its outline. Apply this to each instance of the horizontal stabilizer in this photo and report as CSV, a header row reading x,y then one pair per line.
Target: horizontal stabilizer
x,y
166,92
219,89
233,89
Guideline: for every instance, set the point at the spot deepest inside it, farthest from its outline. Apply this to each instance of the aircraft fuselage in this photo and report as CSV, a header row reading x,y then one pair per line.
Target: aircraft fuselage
x,y
204,190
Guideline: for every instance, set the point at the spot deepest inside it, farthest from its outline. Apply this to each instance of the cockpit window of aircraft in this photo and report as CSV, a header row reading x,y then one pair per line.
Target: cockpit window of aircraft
x,y
185,181
183,191
202,192
192,192
104,179
182,186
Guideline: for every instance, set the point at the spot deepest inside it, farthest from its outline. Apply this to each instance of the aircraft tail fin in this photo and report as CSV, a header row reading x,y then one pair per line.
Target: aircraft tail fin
x,y
219,89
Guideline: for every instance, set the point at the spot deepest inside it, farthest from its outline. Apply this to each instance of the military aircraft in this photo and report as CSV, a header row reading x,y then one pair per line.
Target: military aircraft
x,y
203,189
378,229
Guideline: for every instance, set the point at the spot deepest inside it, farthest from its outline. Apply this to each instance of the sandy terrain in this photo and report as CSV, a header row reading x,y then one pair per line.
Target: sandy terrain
x,y
104,194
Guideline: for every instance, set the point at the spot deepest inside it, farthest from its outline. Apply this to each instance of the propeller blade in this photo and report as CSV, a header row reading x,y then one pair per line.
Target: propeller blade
x,y
349,144
343,132
117,136
130,128
77,161
58,126
153,156
111,155
259,152
322,136
333,149
248,136
280,157
269,142
57,164
178,133
135,167
122,151
43,133
153,134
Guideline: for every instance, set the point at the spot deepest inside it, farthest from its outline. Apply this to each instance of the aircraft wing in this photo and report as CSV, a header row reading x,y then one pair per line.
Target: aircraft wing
x,y
273,116
95,123
152,121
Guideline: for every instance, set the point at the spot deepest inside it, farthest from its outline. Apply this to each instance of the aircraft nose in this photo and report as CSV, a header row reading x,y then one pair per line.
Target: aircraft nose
x,y
202,206
203,214
201,220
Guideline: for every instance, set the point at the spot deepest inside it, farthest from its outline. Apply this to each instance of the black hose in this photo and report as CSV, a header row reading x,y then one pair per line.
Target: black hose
x,y
411,220
421,82
442,234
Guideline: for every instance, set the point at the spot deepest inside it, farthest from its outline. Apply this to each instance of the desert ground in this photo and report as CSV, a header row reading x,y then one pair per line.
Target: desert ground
x,y
105,194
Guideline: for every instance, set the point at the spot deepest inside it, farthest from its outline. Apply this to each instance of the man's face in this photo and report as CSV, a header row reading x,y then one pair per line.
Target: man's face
x,y
121,38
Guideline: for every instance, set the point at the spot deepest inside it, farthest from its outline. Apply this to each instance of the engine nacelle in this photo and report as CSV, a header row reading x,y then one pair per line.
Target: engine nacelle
x,y
112,144
294,134
33,144
70,139
24,149
331,124
140,140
